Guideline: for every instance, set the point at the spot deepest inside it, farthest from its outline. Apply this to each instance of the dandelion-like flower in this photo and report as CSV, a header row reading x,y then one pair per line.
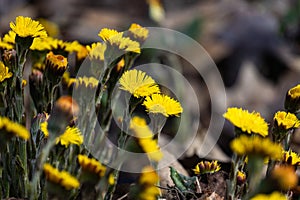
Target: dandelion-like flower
x,y
273,196
247,122
26,27
290,158
138,83
206,167
4,73
284,177
294,92
87,82
5,45
91,165
72,135
256,145
55,67
163,104
41,44
62,178
145,138
13,128
292,99
105,34
147,180
285,120
139,32
10,37
96,50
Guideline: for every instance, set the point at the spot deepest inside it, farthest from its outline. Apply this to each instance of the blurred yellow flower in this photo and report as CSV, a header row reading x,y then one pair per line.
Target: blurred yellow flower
x,y
286,120
284,177
62,178
4,74
87,82
96,50
145,138
10,37
41,44
5,45
6,125
138,83
205,167
256,145
26,27
72,135
290,158
247,122
91,165
163,104
274,196
105,33
139,32
147,180
294,92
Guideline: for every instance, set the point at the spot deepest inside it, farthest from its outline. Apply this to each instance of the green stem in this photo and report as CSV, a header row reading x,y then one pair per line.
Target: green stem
x,y
23,156
231,186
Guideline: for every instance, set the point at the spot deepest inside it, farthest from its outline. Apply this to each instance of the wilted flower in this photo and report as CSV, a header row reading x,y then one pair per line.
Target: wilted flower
x,y
247,122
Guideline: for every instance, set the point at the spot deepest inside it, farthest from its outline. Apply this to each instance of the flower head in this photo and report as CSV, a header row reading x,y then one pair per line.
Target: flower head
x,y
26,27
284,177
10,37
91,165
72,135
87,82
62,178
96,50
41,44
138,83
145,138
274,196
106,33
55,67
247,122
241,177
140,33
14,128
205,167
256,145
292,99
147,181
286,120
5,45
4,74
163,104
290,158
294,92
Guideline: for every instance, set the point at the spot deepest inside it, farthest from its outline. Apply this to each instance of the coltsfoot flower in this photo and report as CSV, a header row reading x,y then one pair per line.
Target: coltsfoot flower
x,y
290,158
257,146
26,27
55,67
4,73
247,122
292,99
138,83
13,128
273,196
206,167
139,33
62,178
87,82
163,104
105,34
91,165
96,50
285,120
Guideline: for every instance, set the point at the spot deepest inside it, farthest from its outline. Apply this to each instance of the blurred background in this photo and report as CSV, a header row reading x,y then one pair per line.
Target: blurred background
x,y
254,43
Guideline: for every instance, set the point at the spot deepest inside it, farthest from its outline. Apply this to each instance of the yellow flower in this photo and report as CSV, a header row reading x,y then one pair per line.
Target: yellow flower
x,y
14,128
111,179
145,138
10,37
284,177
57,61
86,82
163,104
106,33
205,167
138,31
5,45
274,196
96,50
41,44
82,53
138,83
56,66
62,178
291,158
241,177
26,27
4,74
256,145
294,92
247,122
91,165
72,135
286,120
147,180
